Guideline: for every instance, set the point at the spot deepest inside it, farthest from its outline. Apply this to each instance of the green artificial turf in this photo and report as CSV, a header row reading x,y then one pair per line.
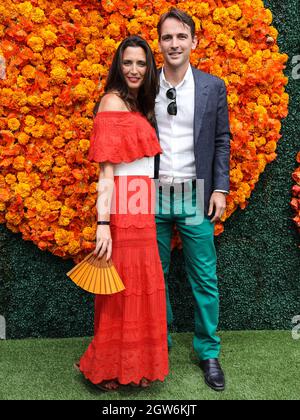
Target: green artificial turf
x,y
258,365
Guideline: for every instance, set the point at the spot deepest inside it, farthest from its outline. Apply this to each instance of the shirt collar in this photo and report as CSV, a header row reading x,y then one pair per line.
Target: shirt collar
x,y
187,78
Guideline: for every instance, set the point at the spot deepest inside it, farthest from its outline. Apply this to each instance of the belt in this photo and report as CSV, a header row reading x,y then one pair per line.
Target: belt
x,y
176,186
172,180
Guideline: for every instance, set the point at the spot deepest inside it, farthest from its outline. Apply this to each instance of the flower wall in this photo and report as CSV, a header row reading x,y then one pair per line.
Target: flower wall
x,y
55,56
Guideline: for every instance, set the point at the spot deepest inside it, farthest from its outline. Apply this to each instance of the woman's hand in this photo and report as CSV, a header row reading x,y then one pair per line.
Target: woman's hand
x,y
103,242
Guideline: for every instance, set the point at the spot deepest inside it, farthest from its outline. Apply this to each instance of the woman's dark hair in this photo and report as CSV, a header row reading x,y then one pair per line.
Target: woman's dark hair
x,y
145,100
179,15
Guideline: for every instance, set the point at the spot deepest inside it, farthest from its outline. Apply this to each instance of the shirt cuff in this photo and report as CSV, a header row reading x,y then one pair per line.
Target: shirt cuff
x,y
222,191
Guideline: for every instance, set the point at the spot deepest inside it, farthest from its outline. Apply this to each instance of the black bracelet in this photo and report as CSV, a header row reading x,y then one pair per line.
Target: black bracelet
x,y
103,223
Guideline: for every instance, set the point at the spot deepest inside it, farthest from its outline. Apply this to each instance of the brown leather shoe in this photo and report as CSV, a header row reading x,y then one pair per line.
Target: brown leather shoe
x,y
213,374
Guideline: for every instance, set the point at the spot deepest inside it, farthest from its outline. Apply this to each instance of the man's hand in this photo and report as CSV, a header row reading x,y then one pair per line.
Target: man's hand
x,y
217,204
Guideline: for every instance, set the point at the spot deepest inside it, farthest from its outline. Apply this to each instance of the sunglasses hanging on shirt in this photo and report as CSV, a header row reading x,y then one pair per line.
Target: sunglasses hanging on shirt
x,y
172,107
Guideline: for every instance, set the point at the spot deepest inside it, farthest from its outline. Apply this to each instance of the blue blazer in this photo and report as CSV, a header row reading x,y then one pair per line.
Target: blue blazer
x,y
211,134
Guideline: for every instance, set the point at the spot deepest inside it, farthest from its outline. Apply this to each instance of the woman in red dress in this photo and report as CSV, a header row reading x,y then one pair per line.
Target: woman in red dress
x,y
130,341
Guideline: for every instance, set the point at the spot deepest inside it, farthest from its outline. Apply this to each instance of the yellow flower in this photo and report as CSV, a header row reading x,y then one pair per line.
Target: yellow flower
x,y
10,179
38,194
133,27
90,49
255,62
36,43
58,74
45,164
35,180
202,9
20,98
21,82
13,124
24,110
222,39
264,100
58,142
88,234
30,202
62,237
273,32
230,45
261,162
284,98
220,14
266,54
48,36
75,15
46,99
64,221
33,100
233,99
61,171
114,29
43,207
23,177
275,98
268,17
84,145
55,205
80,92
85,68
68,134
234,12
61,53
260,141
37,131
22,189
18,163
23,138
25,9
60,161
74,247
109,45
37,15
67,212
217,70
271,146
236,175
13,218
30,120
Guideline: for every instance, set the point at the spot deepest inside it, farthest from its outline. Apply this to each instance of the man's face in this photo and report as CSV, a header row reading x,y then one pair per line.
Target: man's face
x,y
176,43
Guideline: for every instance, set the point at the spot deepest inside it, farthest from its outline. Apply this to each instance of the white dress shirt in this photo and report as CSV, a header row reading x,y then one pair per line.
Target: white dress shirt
x,y
176,132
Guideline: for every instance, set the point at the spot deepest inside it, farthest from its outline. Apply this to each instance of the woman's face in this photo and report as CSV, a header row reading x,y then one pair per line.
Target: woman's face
x,y
134,67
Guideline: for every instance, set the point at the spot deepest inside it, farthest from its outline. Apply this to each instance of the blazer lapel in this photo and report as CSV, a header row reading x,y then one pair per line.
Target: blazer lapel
x,y
201,97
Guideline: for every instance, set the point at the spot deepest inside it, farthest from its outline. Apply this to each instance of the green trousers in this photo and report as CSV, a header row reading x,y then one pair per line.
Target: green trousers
x,y
200,263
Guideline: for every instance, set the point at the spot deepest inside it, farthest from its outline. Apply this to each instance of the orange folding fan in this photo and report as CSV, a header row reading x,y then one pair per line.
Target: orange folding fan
x,y
96,275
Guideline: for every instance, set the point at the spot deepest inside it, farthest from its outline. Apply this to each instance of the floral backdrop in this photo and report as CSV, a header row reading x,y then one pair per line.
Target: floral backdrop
x,y
55,56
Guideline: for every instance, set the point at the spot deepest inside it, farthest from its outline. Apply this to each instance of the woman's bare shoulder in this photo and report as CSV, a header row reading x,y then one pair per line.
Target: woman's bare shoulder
x,y
112,102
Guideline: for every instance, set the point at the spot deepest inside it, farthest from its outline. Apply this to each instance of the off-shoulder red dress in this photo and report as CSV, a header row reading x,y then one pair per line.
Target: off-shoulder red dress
x,y
130,341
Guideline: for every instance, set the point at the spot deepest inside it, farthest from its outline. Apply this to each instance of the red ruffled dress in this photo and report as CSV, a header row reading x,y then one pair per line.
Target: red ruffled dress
x,y
130,341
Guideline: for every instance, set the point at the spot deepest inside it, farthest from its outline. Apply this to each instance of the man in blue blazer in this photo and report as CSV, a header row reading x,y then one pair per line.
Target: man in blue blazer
x,y
193,127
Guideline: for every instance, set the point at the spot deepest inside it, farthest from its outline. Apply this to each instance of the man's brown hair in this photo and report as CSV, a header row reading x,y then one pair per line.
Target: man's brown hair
x,y
179,15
